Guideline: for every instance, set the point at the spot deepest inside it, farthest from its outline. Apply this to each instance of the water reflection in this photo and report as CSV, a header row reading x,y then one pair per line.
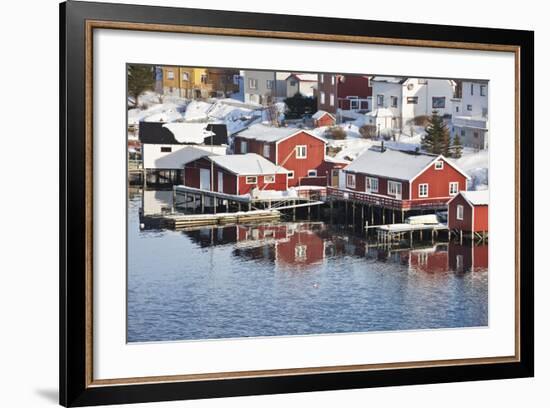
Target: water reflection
x,y
292,278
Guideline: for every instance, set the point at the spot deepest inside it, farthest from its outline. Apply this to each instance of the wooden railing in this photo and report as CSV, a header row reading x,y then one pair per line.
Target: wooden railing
x,y
386,202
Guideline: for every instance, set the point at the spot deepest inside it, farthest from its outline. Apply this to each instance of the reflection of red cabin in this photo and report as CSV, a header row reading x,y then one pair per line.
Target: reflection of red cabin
x,y
299,151
429,260
323,118
469,211
235,174
472,257
404,180
302,247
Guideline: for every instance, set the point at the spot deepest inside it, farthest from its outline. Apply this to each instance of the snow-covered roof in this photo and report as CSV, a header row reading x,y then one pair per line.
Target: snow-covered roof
x,y
304,77
247,164
390,163
264,133
320,113
189,132
392,80
478,197
380,113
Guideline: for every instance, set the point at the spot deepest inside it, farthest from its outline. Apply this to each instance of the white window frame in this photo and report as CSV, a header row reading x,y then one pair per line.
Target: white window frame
x,y
322,95
332,79
321,78
267,150
252,83
269,84
369,182
453,188
270,178
395,188
185,76
312,173
460,212
350,180
421,193
434,98
439,165
380,100
331,99
244,147
290,174
249,179
301,151
170,74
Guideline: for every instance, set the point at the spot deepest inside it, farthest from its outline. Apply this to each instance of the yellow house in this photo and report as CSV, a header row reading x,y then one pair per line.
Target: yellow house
x,y
185,82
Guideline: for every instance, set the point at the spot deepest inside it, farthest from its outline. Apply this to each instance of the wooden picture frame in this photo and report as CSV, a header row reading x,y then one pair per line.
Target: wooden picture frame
x,y
78,20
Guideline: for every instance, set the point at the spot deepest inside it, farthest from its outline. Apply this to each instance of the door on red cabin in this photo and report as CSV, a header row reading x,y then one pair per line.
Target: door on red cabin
x,y
335,177
220,182
205,179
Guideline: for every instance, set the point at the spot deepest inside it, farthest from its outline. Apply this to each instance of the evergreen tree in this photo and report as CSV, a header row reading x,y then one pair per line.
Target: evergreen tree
x,y
140,79
457,148
437,139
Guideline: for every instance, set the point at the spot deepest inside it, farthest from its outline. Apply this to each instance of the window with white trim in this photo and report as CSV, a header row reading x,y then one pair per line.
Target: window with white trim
x,y
170,74
267,150
290,174
333,79
321,78
244,147
371,184
269,179
185,76
439,165
350,180
301,152
322,95
380,100
453,188
423,190
394,188
251,180
331,99
312,173
460,212
252,83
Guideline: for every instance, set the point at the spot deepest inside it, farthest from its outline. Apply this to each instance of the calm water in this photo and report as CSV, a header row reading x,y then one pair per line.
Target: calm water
x,y
292,278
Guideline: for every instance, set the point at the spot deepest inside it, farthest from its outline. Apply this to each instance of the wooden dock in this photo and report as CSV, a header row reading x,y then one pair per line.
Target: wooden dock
x,y
397,232
178,221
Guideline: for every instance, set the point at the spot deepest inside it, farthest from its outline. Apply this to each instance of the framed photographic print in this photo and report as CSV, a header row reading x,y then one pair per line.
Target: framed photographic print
x,y
256,203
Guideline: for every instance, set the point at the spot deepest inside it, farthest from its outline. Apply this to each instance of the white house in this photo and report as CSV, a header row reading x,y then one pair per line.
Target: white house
x,y
470,119
305,84
404,99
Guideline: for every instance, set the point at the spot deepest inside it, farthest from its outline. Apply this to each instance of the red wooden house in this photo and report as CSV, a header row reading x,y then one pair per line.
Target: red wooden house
x,y
469,211
323,118
236,174
402,180
299,151
346,92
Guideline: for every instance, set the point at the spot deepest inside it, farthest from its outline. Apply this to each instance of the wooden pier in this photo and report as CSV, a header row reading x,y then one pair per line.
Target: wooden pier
x,y
397,232
178,221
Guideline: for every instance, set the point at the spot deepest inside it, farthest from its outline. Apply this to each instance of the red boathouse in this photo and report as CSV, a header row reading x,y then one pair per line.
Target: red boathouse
x,y
469,212
401,180
302,153
236,174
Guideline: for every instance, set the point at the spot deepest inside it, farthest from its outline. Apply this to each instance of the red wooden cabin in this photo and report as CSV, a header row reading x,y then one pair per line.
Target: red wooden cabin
x,y
323,118
299,151
469,211
235,174
401,180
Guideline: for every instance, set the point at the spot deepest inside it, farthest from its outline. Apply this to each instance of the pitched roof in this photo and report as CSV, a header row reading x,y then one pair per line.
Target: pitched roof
x,y
320,113
390,163
392,80
188,132
247,164
264,133
479,197
305,77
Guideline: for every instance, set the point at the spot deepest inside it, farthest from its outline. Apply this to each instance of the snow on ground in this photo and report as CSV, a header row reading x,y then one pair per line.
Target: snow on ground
x,y
197,111
476,165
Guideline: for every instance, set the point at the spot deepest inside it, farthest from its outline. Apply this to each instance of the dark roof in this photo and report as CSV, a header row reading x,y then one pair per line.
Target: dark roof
x,y
156,133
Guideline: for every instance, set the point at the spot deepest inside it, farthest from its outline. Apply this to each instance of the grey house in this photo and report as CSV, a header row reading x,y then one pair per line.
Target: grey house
x,y
259,86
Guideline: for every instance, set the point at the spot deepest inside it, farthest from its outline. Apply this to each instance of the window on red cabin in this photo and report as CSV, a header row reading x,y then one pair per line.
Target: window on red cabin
x,y
251,180
301,151
269,179
312,173
439,165
459,212
350,180
453,188
423,190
